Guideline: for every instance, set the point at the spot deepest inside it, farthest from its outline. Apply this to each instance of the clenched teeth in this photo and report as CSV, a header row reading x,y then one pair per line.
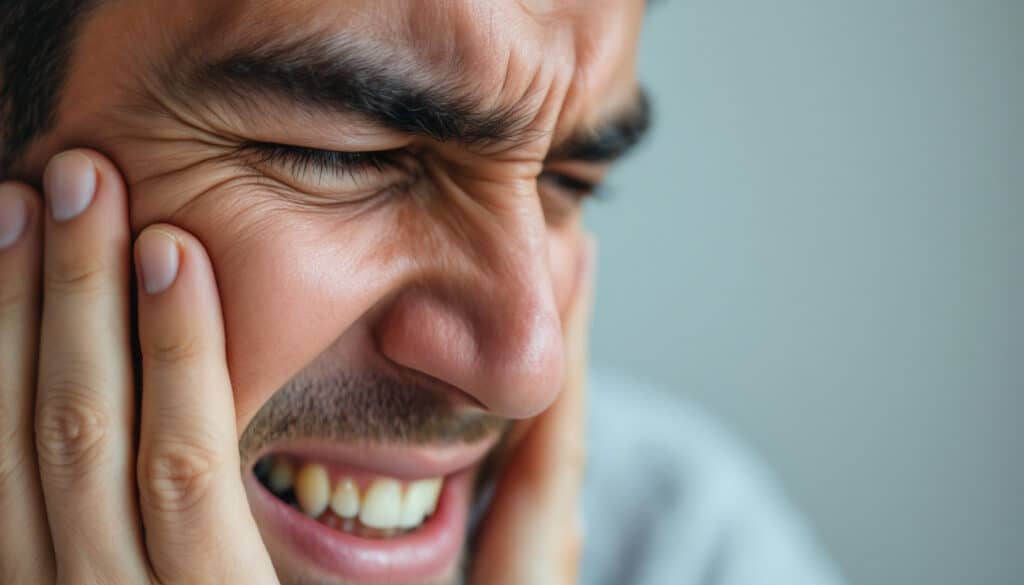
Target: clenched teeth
x,y
381,508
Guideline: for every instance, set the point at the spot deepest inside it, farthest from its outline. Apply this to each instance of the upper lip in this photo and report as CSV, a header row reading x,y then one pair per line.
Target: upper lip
x,y
408,462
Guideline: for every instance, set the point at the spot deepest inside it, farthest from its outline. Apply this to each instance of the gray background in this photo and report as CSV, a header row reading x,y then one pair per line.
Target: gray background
x,y
822,244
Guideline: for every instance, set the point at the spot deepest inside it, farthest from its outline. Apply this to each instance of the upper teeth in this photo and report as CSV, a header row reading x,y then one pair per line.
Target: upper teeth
x,y
313,489
420,501
281,476
384,505
345,499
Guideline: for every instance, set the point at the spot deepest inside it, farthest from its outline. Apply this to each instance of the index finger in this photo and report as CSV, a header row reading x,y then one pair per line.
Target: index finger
x,y
199,528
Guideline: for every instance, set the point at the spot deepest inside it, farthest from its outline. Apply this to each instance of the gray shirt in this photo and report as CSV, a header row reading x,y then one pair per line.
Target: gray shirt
x,y
670,498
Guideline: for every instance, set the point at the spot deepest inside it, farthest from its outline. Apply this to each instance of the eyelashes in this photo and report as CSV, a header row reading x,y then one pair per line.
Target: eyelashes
x,y
576,187
301,161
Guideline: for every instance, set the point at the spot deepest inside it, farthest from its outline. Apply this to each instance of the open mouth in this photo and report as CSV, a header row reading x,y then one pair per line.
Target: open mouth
x,y
350,500
366,514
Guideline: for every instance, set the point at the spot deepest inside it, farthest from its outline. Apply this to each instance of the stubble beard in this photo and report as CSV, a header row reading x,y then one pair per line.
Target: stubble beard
x,y
375,409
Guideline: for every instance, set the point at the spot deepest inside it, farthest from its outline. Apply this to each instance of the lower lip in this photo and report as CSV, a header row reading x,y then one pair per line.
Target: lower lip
x,y
430,552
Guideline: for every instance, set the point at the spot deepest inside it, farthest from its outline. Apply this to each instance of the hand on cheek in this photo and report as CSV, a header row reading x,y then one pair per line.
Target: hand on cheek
x,y
89,493
193,504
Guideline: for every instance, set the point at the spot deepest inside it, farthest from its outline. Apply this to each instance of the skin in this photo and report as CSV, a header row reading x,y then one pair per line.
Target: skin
x,y
477,280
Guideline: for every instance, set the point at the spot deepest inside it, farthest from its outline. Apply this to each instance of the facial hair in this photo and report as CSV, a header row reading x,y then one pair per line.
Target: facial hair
x,y
371,409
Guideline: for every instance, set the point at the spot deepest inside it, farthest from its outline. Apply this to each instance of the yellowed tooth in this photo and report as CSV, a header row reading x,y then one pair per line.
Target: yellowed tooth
x,y
281,476
382,505
312,489
345,499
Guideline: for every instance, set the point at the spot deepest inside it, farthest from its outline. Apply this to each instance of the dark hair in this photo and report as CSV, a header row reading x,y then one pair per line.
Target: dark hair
x,y
35,47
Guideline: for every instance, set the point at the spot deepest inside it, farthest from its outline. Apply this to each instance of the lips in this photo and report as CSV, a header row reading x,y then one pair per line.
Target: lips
x,y
366,515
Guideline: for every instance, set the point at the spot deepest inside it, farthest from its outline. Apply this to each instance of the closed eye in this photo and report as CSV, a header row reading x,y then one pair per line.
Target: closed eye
x,y
574,186
301,160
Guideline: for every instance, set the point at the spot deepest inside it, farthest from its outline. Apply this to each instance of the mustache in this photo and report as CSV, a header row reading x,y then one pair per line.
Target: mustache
x,y
370,408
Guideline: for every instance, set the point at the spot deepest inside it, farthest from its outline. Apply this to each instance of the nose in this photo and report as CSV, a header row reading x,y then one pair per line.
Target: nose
x,y
490,328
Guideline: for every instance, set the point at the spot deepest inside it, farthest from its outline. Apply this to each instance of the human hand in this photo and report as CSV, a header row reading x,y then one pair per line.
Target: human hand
x,y
532,533
89,494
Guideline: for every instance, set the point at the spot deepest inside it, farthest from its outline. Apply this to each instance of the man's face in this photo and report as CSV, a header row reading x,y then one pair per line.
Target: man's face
x,y
390,193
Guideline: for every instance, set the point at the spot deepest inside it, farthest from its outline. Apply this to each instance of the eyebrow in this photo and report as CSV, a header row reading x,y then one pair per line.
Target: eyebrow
x,y
611,139
394,90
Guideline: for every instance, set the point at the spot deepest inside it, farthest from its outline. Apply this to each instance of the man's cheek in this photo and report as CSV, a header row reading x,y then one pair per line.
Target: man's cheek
x,y
292,280
290,287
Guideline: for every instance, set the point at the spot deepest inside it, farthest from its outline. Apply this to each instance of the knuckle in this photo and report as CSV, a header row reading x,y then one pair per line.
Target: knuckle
x,y
10,415
73,273
71,430
13,296
173,351
174,476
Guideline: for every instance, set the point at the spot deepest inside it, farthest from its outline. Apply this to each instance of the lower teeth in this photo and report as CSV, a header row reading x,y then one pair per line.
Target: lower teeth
x,y
355,527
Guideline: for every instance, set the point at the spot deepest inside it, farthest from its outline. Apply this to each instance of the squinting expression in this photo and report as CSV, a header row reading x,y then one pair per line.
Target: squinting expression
x,y
389,191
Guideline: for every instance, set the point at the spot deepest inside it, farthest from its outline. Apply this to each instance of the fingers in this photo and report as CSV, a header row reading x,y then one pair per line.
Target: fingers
x,y
84,407
198,525
532,532
26,555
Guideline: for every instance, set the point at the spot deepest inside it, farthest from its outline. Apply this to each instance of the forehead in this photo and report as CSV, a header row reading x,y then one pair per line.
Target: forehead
x,y
572,59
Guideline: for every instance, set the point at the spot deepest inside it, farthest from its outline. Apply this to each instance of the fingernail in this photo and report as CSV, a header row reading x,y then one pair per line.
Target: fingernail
x,y
158,260
70,183
13,216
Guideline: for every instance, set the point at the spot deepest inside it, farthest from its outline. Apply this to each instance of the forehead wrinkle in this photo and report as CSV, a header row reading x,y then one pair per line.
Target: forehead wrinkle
x,y
496,52
344,73
492,66
604,78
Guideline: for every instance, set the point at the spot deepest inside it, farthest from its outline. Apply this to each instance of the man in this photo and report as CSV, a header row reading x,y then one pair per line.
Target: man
x,y
360,277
